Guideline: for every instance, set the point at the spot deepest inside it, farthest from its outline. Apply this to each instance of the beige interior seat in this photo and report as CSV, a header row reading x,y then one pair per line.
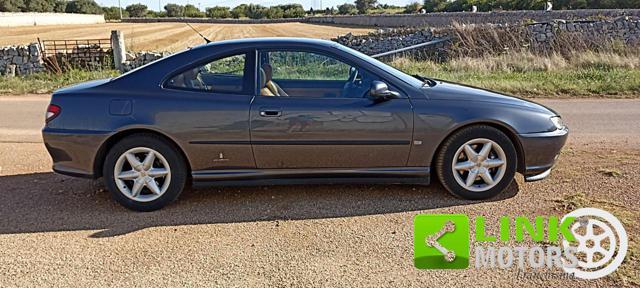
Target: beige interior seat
x,y
264,91
267,71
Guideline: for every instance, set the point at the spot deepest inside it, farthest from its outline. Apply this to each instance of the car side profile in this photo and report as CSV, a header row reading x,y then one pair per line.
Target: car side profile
x,y
291,111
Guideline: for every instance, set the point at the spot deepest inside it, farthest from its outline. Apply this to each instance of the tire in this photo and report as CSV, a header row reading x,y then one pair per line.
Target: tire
x,y
454,152
160,185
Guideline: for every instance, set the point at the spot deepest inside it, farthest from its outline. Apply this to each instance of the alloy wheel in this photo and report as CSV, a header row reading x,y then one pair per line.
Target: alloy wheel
x,y
479,164
142,174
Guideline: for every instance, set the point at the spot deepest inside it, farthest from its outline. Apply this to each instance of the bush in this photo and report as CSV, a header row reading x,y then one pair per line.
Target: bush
x,y
347,9
239,11
11,5
174,10
83,7
39,6
113,13
218,12
193,11
364,5
412,8
137,10
256,11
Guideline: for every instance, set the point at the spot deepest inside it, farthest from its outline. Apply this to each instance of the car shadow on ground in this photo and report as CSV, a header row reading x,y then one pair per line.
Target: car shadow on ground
x,y
47,202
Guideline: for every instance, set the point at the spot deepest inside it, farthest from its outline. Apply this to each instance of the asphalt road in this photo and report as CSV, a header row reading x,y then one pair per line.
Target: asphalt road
x,y
61,231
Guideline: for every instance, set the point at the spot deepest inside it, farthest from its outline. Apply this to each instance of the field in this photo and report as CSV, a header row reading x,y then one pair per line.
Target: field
x,y
169,36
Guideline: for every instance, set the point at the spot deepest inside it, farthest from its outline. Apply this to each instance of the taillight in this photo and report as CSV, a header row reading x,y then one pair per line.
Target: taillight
x,y
52,112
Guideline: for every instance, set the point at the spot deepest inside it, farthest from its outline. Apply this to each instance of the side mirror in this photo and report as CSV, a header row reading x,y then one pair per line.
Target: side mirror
x,y
380,92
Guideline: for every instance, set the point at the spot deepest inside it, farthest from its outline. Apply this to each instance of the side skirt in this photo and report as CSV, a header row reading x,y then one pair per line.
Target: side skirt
x,y
252,177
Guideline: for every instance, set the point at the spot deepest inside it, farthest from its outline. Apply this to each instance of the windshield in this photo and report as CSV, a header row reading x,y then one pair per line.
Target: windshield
x,y
393,71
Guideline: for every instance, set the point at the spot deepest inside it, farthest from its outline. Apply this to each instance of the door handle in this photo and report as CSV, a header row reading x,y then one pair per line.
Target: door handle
x,y
270,113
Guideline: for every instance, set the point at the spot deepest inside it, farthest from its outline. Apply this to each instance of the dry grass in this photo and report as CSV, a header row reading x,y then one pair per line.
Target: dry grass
x,y
170,36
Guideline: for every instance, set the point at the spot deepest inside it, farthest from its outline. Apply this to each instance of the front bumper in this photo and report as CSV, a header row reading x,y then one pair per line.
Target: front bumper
x,y
541,150
73,151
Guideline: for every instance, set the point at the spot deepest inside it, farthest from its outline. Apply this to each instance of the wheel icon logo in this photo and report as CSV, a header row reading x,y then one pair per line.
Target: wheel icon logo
x,y
598,233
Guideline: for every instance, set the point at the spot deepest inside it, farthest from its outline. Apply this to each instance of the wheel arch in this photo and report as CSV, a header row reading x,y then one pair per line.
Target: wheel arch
x,y
504,128
101,155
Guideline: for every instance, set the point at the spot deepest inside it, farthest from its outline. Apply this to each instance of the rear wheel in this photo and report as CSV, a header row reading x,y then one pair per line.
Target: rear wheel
x,y
477,162
144,172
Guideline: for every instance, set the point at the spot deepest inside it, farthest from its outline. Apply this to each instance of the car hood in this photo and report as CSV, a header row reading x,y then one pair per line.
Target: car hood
x,y
452,91
82,86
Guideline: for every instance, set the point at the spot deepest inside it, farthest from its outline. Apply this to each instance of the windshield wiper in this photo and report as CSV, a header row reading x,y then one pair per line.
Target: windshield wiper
x,y
425,80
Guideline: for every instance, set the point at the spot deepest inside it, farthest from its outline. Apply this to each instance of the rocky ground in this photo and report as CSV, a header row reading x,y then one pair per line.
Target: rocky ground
x,y
61,231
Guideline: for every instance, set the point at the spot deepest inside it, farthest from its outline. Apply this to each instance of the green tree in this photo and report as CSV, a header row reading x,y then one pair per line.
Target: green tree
x,y
239,11
137,10
38,6
347,9
12,5
412,8
113,13
291,10
274,13
218,12
364,5
434,5
174,10
59,6
256,11
83,7
192,11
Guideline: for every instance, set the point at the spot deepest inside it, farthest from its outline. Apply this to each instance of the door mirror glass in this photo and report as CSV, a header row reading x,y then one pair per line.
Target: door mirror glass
x,y
380,91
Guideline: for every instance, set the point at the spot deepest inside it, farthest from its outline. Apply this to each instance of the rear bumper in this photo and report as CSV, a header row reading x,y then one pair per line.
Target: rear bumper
x,y
73,151
541,150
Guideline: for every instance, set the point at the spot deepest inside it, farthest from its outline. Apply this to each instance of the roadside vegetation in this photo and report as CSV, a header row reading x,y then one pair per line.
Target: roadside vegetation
x,y
42,83
586,74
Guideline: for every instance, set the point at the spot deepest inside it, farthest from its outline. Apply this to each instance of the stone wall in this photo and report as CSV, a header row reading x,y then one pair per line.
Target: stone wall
x,y
137,59
211,20
443,19
539,37
10,19
21,60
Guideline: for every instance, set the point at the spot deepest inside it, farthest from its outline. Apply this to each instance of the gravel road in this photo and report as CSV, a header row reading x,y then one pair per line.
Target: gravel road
x,y
61,231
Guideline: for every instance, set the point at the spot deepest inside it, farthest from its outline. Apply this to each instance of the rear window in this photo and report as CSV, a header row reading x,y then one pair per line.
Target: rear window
x,y
222,75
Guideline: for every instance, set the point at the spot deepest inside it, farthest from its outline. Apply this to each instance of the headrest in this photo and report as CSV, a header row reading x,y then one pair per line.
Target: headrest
x,y
263,79
268,71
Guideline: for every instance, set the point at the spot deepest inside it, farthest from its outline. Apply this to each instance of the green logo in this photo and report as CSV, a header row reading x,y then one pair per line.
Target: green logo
x,y
441,241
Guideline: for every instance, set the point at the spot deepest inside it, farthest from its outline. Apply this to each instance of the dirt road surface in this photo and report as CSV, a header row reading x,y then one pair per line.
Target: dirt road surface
x,y
170,36
60,231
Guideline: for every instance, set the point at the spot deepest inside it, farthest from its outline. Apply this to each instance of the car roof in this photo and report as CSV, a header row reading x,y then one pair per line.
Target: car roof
x,y
272,40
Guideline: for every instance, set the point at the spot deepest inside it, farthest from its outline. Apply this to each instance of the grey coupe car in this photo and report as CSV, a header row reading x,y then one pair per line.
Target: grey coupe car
x,y
287,111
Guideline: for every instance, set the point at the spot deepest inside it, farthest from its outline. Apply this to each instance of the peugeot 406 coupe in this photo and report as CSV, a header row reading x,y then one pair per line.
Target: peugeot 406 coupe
x,y
287,111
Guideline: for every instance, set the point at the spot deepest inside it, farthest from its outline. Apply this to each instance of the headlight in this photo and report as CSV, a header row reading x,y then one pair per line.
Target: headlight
x,y
557,122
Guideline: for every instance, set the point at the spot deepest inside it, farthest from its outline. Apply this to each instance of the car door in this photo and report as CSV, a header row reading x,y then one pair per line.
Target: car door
x,y
323,119
209,111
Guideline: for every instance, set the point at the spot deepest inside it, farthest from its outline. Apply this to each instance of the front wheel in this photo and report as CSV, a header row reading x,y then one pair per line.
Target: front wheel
x,y
144,172
477,162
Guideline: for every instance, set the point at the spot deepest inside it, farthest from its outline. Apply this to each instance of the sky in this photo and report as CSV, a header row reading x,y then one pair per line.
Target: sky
x,y
316,4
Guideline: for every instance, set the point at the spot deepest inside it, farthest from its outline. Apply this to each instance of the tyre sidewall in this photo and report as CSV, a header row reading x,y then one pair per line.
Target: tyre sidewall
x,y
445,161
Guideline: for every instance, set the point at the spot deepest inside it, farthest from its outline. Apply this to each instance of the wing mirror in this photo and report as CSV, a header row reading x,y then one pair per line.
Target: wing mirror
x,y
380,92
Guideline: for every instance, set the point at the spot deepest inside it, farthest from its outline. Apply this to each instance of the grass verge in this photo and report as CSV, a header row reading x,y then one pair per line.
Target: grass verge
x,y
41,83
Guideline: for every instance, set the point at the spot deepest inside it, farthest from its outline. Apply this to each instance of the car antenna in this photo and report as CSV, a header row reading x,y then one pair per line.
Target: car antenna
x,y
194,29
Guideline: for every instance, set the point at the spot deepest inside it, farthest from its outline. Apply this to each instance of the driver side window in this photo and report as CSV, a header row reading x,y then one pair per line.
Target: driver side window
x,y
223,75
290,73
